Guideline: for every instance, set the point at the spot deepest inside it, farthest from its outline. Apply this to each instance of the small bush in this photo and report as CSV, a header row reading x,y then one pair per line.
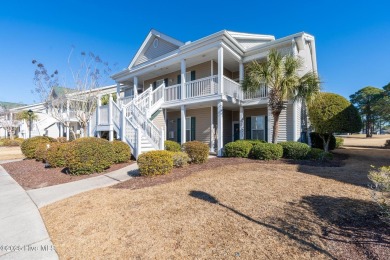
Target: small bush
x,y
387,144
121,152
61,140
339,142
56,154
89,155
381,189
252,142
172,146
197,151
14,142
267,151
155,163
237,149
29,146
180,159
319,155
295,150
40,152
316,141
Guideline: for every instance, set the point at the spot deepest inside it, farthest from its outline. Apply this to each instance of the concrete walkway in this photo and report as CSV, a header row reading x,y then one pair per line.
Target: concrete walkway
x,y
23,233
48,195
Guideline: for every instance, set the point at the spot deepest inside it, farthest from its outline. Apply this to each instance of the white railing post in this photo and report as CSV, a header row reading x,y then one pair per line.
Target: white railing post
x,y
111,132
138,142
162,138
67,119
123,124
220,128
135,87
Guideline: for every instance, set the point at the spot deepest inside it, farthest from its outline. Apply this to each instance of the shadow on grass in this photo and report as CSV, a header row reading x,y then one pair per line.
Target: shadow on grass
x,y
345,224
210,199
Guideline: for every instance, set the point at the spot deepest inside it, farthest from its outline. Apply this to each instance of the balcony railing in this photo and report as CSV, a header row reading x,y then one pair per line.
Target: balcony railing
x,y
262,92
172,93
202,87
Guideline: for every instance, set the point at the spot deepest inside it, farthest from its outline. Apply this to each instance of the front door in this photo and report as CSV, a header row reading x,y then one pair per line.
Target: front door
x,y
236,131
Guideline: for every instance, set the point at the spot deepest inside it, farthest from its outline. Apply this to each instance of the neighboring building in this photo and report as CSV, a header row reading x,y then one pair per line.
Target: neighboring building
x,y
5,115
191,91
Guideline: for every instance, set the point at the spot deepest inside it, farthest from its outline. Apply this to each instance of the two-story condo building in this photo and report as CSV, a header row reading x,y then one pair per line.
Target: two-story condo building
x,y
191,91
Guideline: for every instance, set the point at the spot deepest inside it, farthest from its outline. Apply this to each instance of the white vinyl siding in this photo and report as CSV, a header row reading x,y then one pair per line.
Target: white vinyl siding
x,y
151,52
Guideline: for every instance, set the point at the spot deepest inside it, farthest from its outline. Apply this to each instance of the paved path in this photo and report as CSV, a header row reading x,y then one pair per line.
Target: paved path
x,y
23,234
48,195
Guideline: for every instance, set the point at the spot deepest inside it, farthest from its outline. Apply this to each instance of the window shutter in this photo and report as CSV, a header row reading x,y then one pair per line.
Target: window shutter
x,y
178,130
179,79
266,128
154,85
166,82
248,128
193,128
192,75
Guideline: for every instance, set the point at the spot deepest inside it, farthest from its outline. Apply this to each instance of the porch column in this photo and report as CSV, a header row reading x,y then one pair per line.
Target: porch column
x,y
99,103
183,78
241,123
67,119
241,72
220,128
61,129
183,124
212,129
220,70
111,132
118,92
135,87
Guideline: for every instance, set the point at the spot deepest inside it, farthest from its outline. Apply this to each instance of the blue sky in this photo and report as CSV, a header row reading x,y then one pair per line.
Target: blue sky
x,y
352,37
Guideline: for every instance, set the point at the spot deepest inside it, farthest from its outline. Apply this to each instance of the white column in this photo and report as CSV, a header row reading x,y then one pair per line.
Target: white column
x,y
220,128
183,124
241,122
135,90
99,103
123,124
212,129
241,72
118,92
183,78
61,129
162,140
67,118
220,70
111,132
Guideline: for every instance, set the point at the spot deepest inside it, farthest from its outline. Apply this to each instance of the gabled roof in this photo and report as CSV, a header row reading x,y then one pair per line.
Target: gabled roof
x,y
249,40
152,48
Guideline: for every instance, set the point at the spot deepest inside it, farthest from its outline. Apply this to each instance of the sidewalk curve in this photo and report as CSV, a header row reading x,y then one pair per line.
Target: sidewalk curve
x,y
23,233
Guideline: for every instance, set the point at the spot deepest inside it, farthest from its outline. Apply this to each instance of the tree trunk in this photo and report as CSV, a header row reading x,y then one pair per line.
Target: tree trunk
x,y
275,127
326,142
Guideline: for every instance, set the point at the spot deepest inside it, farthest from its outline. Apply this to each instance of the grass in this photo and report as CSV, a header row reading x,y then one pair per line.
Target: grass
x,y
248,211
10,153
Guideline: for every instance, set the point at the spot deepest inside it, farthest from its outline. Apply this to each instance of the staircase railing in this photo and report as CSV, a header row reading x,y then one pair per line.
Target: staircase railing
x,y
132,137
116,115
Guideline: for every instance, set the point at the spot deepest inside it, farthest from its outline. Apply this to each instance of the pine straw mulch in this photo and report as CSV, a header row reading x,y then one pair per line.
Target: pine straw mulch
x,y
31,174
235,209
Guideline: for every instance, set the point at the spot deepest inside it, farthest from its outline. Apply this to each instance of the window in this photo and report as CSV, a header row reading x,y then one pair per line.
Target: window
x,y
155,43
257,127
188,128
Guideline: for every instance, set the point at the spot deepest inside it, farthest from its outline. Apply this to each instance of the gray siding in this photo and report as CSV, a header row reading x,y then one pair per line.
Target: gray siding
x,y
159,120
282,135
151,52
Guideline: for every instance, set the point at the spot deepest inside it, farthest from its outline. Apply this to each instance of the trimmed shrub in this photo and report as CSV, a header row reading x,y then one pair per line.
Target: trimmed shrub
x,y
319,155
252,142
180,159
155,163
89,155
316,141
40,152
14,142
339,142
121,152
56,154
29,146
172,146
237,149
61,139
267,151
295,150
197,151
387,144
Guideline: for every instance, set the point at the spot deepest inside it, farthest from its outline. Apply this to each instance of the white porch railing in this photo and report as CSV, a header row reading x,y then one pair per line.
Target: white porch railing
x,y
131,136
172,93
262,92
202,87
104,115
232,88
126,100
116,115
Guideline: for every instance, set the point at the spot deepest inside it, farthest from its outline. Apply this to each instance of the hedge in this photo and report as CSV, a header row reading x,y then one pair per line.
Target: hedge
x,y
267,151
121,152
319,154
197,151
180,159
57,154
29,146
172,146
238,149
155,163
317,142
295,150
89,155
13,142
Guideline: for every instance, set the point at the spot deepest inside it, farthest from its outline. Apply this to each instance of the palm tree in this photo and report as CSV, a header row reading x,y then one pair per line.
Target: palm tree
x,y
280,74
